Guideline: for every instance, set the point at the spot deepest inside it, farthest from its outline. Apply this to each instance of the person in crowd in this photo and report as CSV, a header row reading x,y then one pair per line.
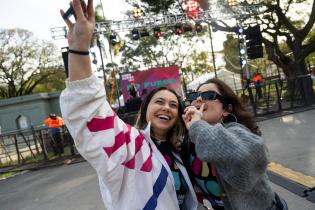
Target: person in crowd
x,y
133,104
55,124
136,168
225,135
257,79
144,93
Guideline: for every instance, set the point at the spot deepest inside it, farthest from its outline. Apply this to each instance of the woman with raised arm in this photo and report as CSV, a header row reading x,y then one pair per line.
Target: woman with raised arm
x,y
226,136
137,169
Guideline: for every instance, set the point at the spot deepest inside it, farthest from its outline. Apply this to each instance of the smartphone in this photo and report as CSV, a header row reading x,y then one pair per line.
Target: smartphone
x,y
70,11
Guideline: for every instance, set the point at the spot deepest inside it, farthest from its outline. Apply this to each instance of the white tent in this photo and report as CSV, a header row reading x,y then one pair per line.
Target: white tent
x,y
230,78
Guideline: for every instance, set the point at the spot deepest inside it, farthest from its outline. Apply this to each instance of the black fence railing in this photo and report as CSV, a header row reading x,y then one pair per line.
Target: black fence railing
x,y
33,145
275,95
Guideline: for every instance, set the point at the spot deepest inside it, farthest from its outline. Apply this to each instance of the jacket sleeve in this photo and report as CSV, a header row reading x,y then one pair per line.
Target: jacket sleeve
x,y
241,157
100,135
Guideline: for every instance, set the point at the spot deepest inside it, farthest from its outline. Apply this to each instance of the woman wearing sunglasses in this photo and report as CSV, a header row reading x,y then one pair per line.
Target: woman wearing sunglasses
x,y
225,135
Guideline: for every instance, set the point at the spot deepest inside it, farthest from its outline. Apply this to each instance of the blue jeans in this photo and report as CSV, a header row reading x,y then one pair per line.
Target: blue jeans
x,y
278,204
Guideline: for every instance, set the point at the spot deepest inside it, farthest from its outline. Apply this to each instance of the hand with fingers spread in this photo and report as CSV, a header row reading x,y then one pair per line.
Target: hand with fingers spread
x,y
79,38
81,32
192,114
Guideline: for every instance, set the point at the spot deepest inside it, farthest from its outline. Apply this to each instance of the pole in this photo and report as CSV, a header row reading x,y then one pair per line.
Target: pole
x,y
102,9
101,54
212,52
111,60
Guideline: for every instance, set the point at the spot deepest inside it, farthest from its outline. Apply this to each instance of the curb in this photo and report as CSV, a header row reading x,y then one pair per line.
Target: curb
x,y
53,163
293,181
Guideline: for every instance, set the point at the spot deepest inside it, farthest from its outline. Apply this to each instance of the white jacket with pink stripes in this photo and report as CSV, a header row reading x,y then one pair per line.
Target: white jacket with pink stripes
x,y
132,173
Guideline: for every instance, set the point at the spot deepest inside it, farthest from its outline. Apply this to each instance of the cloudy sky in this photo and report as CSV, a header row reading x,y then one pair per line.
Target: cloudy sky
x,y
39,16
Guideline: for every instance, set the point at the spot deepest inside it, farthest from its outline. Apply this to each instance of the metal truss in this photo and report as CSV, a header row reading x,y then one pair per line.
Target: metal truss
x,y
212,15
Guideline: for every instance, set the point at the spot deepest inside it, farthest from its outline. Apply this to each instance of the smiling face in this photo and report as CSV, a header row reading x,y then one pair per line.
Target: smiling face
x,y
162,112
213,110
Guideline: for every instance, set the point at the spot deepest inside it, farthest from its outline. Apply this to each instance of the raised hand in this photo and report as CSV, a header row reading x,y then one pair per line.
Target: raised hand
x,y
192,114
79,38
81,31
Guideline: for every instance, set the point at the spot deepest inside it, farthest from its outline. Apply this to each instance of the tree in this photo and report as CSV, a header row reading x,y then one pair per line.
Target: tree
x,y
53,82
278,26
152,52
231,54
167,50
25,62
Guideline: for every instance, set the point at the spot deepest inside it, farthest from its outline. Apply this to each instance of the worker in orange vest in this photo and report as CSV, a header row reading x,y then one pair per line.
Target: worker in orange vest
x,y
55,124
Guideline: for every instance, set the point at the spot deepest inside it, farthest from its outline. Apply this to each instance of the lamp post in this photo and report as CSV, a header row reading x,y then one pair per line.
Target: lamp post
x,y
98,43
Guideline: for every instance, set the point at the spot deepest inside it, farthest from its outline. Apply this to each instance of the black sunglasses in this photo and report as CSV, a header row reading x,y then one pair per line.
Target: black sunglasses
x,y
207,95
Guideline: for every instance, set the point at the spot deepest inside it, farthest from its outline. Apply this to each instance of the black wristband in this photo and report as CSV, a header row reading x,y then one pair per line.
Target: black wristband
x,y
79,52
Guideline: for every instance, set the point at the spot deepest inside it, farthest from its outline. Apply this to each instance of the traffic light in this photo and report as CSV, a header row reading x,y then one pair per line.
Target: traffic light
x,y
254,42
157,32
135,34
137,12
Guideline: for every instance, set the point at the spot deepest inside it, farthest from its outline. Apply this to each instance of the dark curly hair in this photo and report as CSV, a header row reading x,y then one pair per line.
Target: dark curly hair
x,y
238,109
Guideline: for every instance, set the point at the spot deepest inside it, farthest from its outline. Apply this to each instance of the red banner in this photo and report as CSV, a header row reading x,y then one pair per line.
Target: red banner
x,y
150,79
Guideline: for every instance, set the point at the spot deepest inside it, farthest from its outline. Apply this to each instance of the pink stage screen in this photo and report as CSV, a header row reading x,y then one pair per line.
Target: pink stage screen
x,y
149,79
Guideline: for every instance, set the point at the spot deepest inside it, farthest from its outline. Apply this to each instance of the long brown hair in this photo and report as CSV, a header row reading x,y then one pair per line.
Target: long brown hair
x,y
234,105
174,135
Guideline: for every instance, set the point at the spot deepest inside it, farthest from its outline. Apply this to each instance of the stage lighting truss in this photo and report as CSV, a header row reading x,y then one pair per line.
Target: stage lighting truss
x,y
170,20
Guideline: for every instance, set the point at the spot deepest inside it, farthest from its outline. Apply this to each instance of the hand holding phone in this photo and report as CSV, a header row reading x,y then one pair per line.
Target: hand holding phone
x,y
70,11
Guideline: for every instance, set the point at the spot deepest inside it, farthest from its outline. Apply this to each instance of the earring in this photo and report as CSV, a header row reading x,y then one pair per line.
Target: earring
x,y
229,118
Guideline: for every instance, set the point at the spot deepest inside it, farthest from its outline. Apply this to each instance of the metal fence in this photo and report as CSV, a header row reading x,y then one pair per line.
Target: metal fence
x,y
32,145
275,95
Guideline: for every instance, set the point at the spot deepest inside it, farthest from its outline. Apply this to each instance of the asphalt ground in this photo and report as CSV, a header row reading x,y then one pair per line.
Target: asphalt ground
x,y
291,143
75,187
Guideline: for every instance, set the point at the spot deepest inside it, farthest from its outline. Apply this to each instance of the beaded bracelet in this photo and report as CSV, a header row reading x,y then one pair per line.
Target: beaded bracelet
x,y
79,52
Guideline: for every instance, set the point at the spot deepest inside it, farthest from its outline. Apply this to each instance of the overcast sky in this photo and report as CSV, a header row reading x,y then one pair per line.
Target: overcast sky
x,y
39,16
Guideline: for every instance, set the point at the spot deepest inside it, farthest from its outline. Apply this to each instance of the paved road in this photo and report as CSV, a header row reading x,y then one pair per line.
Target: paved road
x,y
291,140
68,187
75,187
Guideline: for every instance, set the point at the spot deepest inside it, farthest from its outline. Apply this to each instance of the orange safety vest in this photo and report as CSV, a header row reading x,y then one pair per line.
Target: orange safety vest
x,y
54,123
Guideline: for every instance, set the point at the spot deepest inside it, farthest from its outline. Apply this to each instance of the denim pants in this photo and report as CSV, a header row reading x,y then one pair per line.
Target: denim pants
x,y
278,204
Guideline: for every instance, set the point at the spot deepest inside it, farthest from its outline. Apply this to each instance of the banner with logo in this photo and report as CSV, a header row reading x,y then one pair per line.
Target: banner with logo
x,y
146,80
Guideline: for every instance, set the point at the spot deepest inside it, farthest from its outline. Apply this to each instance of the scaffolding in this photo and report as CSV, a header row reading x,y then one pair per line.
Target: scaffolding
x,y
217,13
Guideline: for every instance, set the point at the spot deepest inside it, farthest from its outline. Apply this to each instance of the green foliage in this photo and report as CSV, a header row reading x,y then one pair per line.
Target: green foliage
x,y
231,54
7,175
157,6
99,14
25,62
200,63
168,50
310,59
55,81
